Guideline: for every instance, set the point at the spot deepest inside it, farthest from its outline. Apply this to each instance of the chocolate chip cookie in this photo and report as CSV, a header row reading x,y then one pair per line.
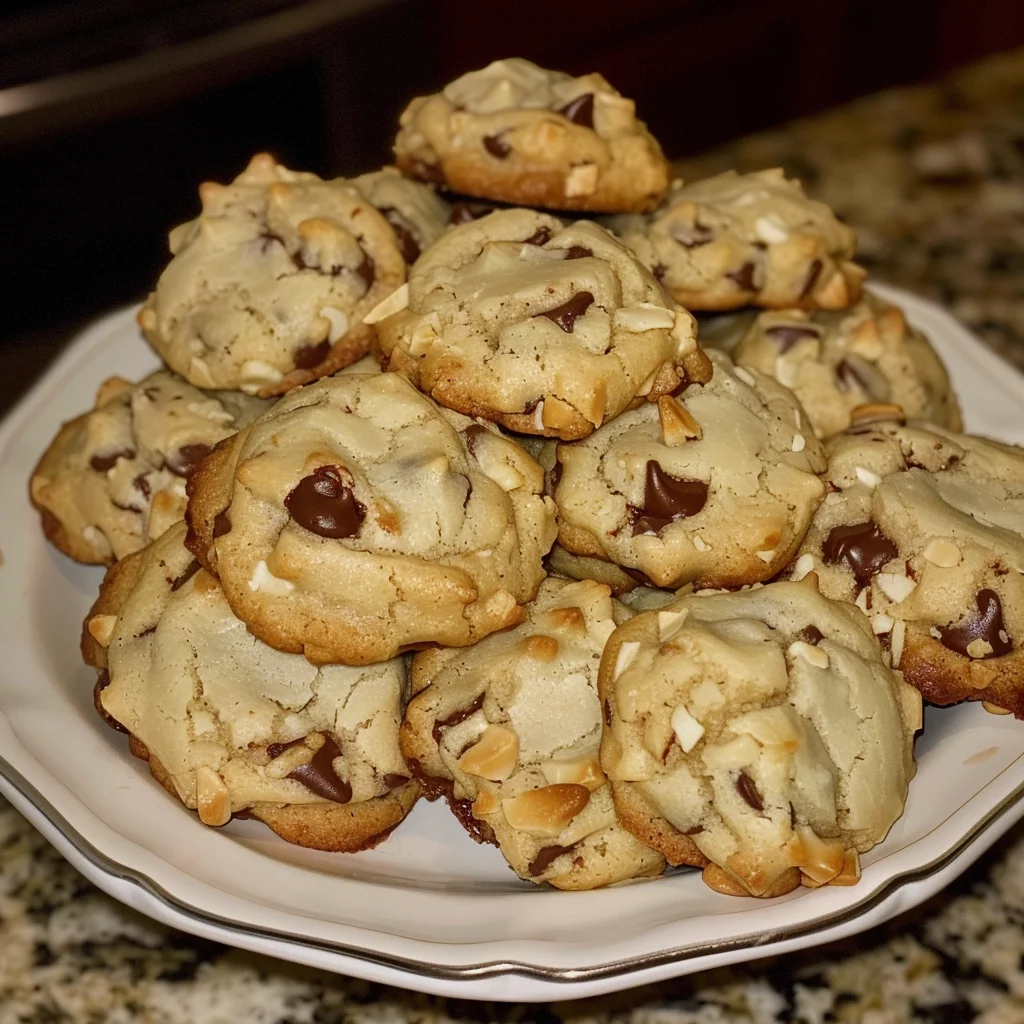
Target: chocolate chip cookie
x,y
544,328
522,134
416,213
356,519
114,478
924,531
715,486
232,727
509,731
837,361
268,286
758,735
739,239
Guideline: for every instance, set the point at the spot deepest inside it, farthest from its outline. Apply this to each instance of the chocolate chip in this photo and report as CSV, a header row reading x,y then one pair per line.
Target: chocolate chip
x,y
566,314
463,213
863,546
786,336
325,505
659,270
812,278
319,776
187,458
545,857
810,635
102,463
497,146
744,277
578,252
102,682
393,780
141,484
986,625
747,790
221,523
689,237
178,582
366,271
456,716
695,831
308,356
667,498
539,237
407,243
427,172
580,110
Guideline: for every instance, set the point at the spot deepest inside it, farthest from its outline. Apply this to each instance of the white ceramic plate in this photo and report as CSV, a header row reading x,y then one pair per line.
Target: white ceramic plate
x,y
429,909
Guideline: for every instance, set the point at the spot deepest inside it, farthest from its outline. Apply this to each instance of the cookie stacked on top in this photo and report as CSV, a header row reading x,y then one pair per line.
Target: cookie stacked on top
x,y
333,589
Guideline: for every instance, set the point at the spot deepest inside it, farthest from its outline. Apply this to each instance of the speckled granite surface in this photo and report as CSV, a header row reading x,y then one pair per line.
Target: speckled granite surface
x,y
933,180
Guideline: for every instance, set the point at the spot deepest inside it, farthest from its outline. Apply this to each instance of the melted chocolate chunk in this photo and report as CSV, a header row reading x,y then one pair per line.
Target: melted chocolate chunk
x,y
180,581
366,271
545,857
812,278
497,146
747,790
463,213
187,458
102,682
393,780
567,314
810,635
578,252
863,546
695,831
786,336
580,110
455,717
407,243
221,523
308,356
744,277
325,505
539,237
688,238
102,463
667,498
986,625
141,484
318,775
427,172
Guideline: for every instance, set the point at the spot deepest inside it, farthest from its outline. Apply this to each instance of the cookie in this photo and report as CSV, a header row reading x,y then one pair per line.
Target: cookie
x,y
417,214
924,531
714,487
268,286
521,134
747,239
757,734
509,731
113,479
356,519
233,727
545,328
724,331
837,361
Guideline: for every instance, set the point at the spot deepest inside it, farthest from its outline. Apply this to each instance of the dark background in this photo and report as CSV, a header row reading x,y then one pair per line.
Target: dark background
x,y
113,111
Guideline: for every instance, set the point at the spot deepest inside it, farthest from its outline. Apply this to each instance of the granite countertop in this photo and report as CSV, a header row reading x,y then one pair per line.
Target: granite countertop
x,y
933,180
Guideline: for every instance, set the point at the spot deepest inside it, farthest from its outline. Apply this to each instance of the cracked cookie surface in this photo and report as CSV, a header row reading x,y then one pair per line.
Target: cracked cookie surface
x,y
837,361
268,286
113,479
522,134
231,726
714,487
545,328
924,530
746,239
357,519
509,731
758,735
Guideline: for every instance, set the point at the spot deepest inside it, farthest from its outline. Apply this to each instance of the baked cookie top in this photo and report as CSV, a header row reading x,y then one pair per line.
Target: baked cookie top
x,y
233,722
114,478
925,531
523,134
357,519
715,486
760,731
509,731
837,361
268,286
739,239
545,328
417,214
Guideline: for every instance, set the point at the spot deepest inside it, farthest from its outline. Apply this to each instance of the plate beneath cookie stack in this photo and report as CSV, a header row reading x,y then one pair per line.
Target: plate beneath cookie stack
x,y
426,910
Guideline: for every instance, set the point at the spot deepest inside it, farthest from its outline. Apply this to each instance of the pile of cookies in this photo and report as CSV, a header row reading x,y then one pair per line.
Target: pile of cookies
x,y
445,492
